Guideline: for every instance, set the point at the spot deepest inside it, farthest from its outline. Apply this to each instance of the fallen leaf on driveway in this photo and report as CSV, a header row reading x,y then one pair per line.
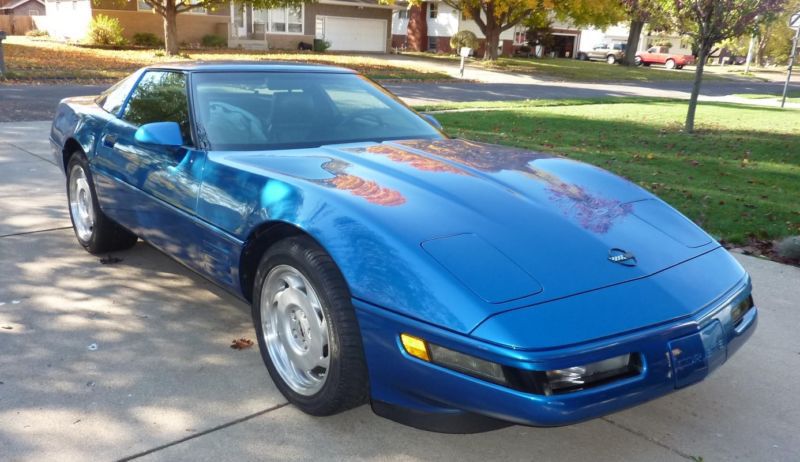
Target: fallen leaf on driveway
x,y
241,344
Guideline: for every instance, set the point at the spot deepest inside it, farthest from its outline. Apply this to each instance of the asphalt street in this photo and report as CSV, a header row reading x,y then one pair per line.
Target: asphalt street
x,y
130,359
37,102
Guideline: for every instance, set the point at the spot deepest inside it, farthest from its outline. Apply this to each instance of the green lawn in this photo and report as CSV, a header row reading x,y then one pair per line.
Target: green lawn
x,y
738,176
572,69
793,96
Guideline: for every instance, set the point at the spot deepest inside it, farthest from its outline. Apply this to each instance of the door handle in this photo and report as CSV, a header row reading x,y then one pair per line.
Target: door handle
x,y
109,140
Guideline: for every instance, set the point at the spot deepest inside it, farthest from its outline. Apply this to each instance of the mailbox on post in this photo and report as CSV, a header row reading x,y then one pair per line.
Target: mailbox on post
x,y
464,52
2,60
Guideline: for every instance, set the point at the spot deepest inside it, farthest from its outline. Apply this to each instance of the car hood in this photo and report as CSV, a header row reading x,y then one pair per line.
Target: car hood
x,y
485,228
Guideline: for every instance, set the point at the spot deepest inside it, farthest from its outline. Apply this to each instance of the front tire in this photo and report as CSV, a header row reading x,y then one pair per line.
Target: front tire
x,y
638,60
611,59
307,330
95,231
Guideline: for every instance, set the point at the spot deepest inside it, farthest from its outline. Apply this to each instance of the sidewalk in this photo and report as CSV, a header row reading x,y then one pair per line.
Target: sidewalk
x,y
541,88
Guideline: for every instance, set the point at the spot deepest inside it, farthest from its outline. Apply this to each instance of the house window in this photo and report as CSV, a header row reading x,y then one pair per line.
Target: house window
x,y
433,43
433,10
200,10
279,20
141,5
295,22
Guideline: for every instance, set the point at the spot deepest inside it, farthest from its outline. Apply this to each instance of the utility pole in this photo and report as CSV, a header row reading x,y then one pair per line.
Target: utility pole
x,y
749,54
794,23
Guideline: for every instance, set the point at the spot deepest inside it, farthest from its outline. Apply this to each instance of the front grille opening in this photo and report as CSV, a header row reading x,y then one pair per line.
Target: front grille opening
x,y
577,378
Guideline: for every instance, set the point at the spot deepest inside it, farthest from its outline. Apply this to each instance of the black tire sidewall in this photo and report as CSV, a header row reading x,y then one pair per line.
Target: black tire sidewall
x,y
293,252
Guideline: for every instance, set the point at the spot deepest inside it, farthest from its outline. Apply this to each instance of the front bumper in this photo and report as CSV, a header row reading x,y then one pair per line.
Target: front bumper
x,y
432,397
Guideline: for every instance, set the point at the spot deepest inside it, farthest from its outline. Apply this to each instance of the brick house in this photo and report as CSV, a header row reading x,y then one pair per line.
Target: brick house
x,y
349,25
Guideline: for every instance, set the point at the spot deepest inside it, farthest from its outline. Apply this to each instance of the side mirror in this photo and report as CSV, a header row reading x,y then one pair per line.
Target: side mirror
x,y
432,120
160,133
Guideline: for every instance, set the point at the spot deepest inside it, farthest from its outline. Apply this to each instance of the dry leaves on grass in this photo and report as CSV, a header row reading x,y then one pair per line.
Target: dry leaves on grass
x,y
241,343
30,59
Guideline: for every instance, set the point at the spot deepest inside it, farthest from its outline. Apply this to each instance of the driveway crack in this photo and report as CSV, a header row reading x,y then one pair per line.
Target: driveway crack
x,y
23,233
49,161
205,432
650,439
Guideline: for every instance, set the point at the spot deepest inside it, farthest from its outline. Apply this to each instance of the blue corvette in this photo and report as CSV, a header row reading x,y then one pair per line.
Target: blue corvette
x,y
456,286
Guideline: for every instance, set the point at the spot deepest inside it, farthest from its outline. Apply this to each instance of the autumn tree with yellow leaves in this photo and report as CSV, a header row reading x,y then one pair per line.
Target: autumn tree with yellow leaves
x,y
496,16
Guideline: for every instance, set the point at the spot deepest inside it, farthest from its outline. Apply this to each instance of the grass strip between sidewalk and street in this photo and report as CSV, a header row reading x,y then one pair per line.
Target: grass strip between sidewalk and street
x,y
738,176
574,70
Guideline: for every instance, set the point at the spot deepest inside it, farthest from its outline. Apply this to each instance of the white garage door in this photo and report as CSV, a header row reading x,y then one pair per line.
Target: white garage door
x,y
354,34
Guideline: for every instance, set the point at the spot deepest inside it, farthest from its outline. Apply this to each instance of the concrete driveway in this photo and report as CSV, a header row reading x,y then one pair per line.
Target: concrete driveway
x,y
131,359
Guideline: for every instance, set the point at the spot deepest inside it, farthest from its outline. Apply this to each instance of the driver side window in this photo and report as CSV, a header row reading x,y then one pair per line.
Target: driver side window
x,y
160,97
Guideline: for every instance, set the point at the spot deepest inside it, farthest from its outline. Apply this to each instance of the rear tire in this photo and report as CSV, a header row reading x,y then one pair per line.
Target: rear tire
x,y
95,231
670,64
307,329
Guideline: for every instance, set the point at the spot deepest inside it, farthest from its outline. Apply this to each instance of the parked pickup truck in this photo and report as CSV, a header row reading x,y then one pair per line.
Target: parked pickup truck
x,y
609,53
661,55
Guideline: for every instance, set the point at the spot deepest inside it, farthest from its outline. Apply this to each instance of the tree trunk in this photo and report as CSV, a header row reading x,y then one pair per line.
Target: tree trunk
x,y
171,28
633,42
492,42
698,78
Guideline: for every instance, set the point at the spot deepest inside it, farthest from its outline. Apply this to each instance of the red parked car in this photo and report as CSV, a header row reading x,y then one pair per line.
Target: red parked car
x,y
661,55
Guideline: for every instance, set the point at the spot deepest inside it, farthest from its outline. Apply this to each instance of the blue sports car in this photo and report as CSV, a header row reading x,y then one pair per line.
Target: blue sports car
x,y
456,286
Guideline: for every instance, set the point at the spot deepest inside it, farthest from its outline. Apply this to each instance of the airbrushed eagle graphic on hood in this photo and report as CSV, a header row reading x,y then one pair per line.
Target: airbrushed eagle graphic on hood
x,y
511,227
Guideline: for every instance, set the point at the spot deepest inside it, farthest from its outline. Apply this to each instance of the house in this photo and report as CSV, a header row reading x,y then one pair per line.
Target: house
x,y
19,16
429,26
21,7
349,25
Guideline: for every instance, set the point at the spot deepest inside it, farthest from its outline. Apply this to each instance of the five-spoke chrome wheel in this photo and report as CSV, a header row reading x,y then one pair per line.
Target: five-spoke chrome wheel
x,y
80,203
295,330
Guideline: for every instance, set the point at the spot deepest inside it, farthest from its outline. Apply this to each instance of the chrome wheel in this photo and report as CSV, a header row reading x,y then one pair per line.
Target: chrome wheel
x,y
80,203
295,330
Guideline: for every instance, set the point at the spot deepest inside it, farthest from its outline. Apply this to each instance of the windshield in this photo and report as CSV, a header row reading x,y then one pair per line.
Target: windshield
x,y
280,110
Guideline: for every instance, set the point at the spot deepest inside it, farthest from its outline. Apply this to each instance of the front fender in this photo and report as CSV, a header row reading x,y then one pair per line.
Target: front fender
x,y
77,123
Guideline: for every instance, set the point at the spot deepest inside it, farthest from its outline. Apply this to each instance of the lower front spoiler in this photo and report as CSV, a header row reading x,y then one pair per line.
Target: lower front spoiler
x,y
450,421
431,397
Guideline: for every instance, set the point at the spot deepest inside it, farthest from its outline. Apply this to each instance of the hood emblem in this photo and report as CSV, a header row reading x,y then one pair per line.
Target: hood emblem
x,y
623,257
